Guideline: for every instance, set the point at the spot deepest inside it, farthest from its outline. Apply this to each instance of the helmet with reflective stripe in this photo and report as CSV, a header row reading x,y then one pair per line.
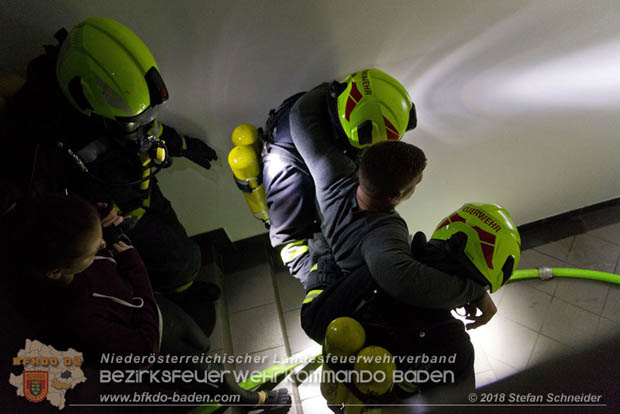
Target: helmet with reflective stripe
x,y
486,239
104,68
374,107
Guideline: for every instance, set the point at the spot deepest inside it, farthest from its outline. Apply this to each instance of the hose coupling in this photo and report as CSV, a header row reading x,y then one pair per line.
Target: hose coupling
x,y
545,273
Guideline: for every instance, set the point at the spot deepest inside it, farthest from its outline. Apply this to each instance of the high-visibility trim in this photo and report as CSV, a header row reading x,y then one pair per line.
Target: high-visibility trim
x,y
293,250
156,130
315,267
408,387
312,295
146,171
183,287
160,154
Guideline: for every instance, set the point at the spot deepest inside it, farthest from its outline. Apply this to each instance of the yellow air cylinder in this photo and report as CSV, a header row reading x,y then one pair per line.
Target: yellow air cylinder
x,y
333,391
244,134
378,365
344,336
247,171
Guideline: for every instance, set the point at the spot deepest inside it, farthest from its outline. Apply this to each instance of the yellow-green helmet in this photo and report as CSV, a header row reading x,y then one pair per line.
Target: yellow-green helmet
x,y
488,239
104,68
374,107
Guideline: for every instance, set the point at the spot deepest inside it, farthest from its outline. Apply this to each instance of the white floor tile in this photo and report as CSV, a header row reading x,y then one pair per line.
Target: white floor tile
x,y
249,288
498,296
547,348
592,253
501,369
547,286
485,378
587,294
609,233
256,329
533,259
311,387
316,405
558,249
569,324
506,341
525,305
607,329
481,361
612,305
217,336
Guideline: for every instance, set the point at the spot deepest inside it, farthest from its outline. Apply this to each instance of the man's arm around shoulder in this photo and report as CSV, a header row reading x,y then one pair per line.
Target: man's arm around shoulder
x,y
387,253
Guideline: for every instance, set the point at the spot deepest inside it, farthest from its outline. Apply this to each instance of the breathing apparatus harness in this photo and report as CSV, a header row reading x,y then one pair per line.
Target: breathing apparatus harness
x,y
150,148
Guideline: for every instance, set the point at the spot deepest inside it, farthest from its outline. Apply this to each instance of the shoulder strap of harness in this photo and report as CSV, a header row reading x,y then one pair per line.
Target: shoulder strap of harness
x,y
276,114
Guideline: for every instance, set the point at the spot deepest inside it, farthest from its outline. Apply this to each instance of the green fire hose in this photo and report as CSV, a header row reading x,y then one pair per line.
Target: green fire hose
x,y
546,273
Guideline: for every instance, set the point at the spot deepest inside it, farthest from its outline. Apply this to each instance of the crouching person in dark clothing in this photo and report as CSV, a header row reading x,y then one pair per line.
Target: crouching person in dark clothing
x,y
76,293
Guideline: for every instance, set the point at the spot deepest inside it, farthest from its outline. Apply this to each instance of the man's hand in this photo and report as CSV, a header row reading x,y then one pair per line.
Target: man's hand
x,y
112,218
120,246
188,147
199,152
487,309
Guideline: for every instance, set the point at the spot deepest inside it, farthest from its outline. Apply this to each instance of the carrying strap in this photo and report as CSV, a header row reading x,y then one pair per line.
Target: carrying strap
x,y
276,114
244,185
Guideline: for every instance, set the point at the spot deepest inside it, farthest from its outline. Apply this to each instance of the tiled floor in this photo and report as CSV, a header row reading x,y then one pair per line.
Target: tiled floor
x,y
536,319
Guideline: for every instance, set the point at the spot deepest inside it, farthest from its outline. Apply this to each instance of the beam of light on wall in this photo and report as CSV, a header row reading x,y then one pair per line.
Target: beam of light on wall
x,y
540,61
584,79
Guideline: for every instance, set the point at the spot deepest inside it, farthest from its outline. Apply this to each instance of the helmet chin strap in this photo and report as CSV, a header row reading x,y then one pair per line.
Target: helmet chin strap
x,y
336,88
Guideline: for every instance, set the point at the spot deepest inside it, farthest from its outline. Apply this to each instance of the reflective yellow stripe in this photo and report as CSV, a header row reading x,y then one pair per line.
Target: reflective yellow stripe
x,y
144,185
156,130
408,387
293,250
160,154
183,287
137,213
315,267
311,295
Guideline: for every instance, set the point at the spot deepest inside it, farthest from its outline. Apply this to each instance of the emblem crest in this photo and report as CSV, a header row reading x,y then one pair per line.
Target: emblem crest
x,y
35,385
